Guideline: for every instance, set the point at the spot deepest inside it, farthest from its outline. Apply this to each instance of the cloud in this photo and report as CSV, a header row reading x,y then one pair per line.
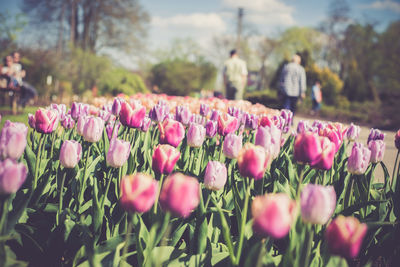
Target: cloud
x,y
265,12
196,21
384,5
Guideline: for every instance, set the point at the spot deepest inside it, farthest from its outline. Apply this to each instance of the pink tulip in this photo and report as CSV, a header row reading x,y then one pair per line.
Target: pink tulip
x,y
353,132
70,153
215,175
13,140
118,153
171,132
12,176
377,148
253,161
317,203
116,106
80,125
196,135
46,120
180,194
227,124
31,121
232,145
93,129
165,158
269,137
138,192
359,159
327,155
132,116
344,236
273,214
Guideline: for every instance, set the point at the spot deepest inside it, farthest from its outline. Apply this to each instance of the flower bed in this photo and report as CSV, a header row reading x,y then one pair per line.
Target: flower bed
x,y
157,180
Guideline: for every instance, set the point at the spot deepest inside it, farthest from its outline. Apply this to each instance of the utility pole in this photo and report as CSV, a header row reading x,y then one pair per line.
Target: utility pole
x,y
239,27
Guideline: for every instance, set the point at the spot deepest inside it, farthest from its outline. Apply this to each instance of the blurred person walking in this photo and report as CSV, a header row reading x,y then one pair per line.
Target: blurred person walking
x,y
293,83
28,91
235,76
316,97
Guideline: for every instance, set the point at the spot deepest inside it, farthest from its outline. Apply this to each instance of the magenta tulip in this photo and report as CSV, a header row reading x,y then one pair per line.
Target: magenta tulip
x,y
164,159
31,121
70,153
118,153
46,120
211,128
116,107
344,236
273,215
328,151
180,194
253,161
93,129
215,176
227,124
13,140
132,116
138,192
171,132
12,176
317,203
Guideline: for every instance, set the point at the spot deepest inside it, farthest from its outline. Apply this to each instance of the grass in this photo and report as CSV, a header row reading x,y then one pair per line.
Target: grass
x,y
22,116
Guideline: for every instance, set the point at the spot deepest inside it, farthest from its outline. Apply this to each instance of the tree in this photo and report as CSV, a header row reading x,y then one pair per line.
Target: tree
x,y
90,25
10,26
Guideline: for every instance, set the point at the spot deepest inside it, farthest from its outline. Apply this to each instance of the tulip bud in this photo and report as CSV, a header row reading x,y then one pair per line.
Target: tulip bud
x,y
227,124
375,134
251,121
132,116
359,159
138,192
70,153
76,110
253,161
273,214
116,107
302,127
397,140
164,159
118,153
12,176
287,116
13,140
353,132
328,151
31,121
180,194
214,115
215,175
93,129
146,124
204,109
317,203
377,148
182,114
196,135
344,236
46,121
307,148
159,113
109,130
232,145
68,122
171,132
270,139
211,128
80,125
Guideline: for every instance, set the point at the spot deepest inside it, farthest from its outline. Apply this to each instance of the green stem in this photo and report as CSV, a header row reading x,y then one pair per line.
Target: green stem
x,y
222,148
107,188
225,231
53,134
394,171
127,239
300,182
3,219
243,223
61,196
261,253
80,199
158,193
39,154
309,235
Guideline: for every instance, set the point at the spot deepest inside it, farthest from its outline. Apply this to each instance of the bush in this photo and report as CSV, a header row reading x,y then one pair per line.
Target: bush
x,y
268,98
120,80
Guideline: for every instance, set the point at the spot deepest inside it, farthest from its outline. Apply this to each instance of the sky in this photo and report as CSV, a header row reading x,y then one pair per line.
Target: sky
x,y
202,20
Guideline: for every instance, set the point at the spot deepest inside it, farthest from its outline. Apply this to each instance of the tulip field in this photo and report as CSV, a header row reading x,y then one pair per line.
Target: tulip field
x,y
156,180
